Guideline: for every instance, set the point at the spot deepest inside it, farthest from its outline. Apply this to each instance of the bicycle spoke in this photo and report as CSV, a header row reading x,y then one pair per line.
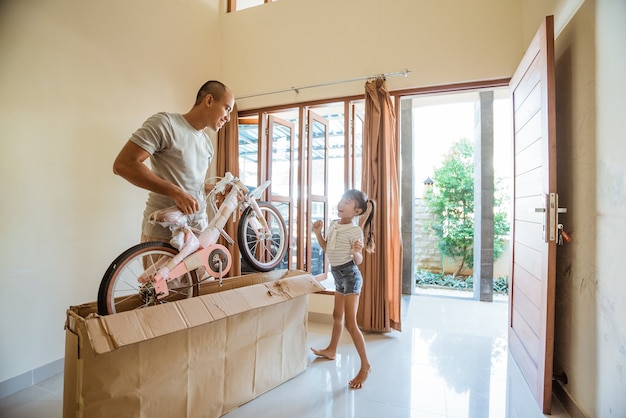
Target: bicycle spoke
x,y
122,290
262,241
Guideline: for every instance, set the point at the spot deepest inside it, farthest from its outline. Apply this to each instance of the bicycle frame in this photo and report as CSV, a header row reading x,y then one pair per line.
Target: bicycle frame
x,y
197,249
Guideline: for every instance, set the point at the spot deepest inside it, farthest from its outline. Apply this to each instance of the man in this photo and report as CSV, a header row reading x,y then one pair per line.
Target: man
x,y
180,153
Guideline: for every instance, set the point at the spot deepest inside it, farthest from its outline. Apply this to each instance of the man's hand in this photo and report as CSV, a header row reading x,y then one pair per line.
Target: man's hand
x,y
186,203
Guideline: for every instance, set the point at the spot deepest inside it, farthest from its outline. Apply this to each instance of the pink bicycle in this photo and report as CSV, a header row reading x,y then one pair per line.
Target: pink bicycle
x,y
151,273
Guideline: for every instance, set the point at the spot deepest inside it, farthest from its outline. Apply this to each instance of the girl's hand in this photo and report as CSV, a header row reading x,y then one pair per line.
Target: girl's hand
x,y
357,246
317,225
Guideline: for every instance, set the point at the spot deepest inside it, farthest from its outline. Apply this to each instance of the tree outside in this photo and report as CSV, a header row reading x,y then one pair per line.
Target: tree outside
x,y
451,201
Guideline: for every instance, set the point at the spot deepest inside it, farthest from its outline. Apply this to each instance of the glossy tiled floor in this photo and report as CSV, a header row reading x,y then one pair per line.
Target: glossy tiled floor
x,y
450,360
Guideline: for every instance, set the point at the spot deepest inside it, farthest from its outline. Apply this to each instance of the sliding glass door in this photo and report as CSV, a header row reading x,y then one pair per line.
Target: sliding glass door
x,y
317,197
281,158
311,154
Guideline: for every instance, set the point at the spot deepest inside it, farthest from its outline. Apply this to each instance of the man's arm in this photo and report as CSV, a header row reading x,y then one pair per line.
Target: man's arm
x,y
129,164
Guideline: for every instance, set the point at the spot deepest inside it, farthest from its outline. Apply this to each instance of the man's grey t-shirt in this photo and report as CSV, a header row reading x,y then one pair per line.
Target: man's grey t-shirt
x,y
179,154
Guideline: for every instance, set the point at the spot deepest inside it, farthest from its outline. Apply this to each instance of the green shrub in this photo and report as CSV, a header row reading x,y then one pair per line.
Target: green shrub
x,y
501,284
424,277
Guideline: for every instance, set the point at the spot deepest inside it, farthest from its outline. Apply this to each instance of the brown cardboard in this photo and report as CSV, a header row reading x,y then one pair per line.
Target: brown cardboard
x,y
198,357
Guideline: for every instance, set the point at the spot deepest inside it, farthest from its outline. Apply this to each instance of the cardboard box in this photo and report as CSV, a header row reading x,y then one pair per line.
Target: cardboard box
x,y
198,357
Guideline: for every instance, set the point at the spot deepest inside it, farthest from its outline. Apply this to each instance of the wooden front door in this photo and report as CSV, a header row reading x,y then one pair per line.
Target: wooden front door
x,y
535,216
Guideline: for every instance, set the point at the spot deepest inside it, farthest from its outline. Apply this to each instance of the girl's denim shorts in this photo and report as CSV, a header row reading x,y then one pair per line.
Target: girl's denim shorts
x,y
348,279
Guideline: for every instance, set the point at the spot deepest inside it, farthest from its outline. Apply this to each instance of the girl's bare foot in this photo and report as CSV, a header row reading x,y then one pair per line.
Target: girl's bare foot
x,y
360,378
326,353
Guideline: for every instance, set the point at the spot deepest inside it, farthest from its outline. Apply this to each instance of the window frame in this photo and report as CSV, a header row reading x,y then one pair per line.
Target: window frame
x,y
231,5
350,119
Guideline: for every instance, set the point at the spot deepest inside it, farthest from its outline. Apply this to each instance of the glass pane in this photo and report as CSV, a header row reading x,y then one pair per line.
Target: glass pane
x,y
249,154
281,159
283,208
296,170
318,158
336,172
336,152
438,123
246,4
294,238
357,143
317,255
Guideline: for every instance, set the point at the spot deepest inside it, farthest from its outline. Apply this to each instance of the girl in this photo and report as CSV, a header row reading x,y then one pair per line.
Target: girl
x,y
343,244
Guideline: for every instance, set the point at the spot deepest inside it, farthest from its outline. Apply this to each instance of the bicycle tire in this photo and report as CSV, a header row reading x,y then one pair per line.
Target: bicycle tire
x,y
266,252
121,291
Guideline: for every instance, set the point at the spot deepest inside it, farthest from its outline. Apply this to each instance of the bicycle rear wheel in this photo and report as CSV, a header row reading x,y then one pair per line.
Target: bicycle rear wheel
x,y
262,250
120,289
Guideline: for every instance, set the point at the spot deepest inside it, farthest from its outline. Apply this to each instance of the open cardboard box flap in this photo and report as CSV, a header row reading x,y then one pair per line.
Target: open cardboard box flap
x,y
108,333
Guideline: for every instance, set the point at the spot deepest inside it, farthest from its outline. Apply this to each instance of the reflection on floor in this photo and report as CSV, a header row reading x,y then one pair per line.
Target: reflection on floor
x,y
450,360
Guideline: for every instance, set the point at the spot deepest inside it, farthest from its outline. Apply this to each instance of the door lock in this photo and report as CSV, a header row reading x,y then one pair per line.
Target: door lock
x,y
551,219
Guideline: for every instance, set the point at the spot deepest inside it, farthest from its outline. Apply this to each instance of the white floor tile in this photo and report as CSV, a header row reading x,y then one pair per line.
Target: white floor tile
x,y
450,360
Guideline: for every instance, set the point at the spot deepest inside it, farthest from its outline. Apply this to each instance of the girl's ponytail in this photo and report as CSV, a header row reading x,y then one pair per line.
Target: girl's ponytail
x,y
368,228
362,202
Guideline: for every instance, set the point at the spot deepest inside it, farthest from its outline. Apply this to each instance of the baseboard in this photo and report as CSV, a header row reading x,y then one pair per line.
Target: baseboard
x,y
30,378
570,405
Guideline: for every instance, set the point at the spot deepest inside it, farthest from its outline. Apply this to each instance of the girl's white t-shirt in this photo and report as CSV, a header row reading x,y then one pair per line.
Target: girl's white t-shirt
x,y
339,241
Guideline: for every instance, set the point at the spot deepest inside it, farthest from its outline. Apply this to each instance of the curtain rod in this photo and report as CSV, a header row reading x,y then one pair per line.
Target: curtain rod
x,y
404,73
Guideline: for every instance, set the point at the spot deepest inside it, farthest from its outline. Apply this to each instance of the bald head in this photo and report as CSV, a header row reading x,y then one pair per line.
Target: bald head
x,y
212,87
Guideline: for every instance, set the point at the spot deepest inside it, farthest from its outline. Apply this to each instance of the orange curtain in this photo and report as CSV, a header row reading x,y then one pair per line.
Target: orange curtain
x,y
379,304
227,159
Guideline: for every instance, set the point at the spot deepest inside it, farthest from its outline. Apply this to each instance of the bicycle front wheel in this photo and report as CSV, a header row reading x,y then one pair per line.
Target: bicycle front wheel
x,y
120,289
262,250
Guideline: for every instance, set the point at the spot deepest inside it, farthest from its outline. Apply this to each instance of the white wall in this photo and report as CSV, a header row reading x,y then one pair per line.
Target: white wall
x,y
76,79
610,45
591,291
304,42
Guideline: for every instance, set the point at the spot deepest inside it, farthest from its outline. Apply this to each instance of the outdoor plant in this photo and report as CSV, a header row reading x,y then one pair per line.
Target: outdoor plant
x,y
424,277
451,201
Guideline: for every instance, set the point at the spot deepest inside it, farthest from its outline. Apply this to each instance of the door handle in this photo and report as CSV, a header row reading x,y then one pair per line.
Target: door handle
x,y
551,219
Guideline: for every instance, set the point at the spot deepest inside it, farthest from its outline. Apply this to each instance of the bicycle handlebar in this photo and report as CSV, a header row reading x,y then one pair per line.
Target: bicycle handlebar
x,y
220,186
